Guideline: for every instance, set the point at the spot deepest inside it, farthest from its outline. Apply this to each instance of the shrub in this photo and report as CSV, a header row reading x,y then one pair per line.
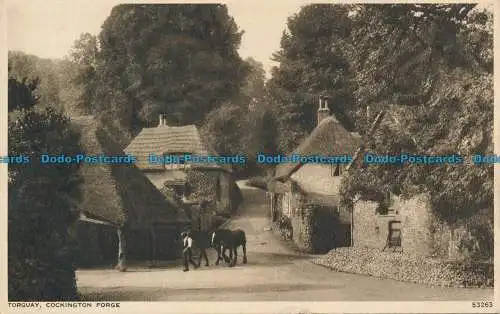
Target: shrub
x,y
40,200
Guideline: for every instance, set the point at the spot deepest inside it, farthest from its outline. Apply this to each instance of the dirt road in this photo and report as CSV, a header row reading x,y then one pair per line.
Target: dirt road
x,y
274,273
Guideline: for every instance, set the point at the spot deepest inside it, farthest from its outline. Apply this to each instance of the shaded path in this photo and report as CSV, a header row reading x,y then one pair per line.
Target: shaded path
x,y
274,273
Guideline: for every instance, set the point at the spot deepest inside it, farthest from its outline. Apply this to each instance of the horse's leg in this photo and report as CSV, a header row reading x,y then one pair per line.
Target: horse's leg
x,y
244,246
235,255
226,258
219,253
231,260
223,254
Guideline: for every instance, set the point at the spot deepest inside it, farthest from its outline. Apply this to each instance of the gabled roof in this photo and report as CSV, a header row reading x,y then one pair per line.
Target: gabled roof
x,y
329,138
119,193
166,139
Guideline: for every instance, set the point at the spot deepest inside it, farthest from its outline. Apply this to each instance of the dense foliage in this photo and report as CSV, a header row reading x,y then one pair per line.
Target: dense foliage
x,y
180,60
396,58
40,201
226,127
310,64
431,118
41,75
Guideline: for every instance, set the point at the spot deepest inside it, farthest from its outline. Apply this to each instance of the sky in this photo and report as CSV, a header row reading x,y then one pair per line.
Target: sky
x,y
48,28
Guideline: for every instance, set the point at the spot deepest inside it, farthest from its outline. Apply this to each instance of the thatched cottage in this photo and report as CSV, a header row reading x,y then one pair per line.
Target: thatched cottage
x,y
308,194
121,210
192,182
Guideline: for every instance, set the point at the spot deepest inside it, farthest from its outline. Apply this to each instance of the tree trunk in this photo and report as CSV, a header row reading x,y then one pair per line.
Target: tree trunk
x,y
121,266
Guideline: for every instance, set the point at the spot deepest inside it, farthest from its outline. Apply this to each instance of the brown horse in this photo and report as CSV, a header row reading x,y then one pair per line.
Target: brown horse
x,y
226,239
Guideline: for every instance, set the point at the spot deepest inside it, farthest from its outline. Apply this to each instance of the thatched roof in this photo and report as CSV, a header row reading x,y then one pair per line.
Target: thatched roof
x,y
166,139
329,138
119,193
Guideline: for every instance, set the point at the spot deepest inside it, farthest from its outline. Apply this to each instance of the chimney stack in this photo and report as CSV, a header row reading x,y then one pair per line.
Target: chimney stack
x,y
162,120
323,110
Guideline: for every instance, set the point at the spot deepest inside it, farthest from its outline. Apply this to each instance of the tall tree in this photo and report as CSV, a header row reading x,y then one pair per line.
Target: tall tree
x,y
29,69
80,77
309,65
180,60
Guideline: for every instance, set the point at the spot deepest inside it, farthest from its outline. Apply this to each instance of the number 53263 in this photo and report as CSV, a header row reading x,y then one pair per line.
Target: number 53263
x,y
482,304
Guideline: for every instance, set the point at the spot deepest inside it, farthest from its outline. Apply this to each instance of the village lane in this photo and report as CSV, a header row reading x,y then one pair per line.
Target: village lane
x,y
275,272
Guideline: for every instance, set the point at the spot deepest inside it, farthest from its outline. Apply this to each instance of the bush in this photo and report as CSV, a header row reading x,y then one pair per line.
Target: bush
x,y
40,199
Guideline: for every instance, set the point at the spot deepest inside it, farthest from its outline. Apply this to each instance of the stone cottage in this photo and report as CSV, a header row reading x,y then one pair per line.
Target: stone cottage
x,y
410,226
190,182
308,194
121,212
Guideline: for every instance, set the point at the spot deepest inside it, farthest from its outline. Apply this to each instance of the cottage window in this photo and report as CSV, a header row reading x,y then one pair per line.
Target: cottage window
x,y
394,237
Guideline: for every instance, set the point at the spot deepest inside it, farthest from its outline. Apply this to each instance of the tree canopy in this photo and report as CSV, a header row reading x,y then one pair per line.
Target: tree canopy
x,y
396,58
180,60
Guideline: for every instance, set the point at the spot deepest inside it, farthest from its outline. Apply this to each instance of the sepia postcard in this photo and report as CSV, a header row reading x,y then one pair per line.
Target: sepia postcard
x,y
248,157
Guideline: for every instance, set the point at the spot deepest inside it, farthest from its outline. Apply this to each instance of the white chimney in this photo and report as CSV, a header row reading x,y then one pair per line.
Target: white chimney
x,y
323,110
162,120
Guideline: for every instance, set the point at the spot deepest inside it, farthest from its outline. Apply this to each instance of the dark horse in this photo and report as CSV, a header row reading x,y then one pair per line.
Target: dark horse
x,y
201,241
229,239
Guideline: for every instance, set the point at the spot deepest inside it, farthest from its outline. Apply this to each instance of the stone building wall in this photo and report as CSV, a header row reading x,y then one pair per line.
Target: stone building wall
x,y
317,228
302,224
416,224
224,202
372,229
369,229
423,234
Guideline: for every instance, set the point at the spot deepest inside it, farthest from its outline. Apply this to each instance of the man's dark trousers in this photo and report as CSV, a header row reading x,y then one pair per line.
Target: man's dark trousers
x,y
188,258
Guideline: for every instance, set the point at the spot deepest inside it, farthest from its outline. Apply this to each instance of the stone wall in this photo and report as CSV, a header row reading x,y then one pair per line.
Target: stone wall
x,y
423,234
371,229
317,228
302,224
416,222
224,202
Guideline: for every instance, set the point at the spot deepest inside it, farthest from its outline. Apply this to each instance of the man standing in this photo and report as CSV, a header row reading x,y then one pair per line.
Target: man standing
x,y
187,250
